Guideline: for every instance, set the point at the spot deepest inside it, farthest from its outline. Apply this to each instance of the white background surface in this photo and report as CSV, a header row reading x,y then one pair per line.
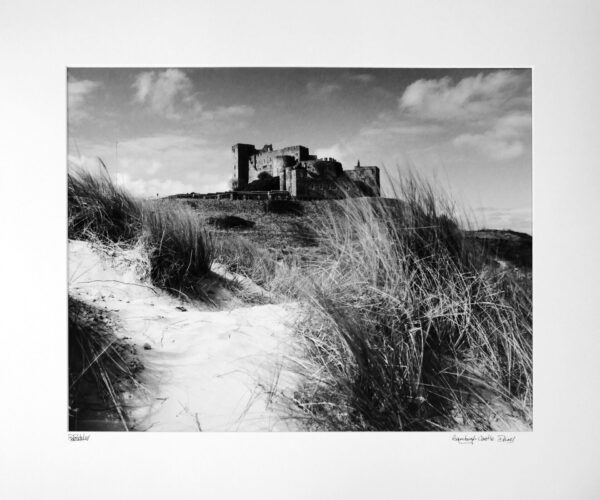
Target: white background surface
x,y
38,40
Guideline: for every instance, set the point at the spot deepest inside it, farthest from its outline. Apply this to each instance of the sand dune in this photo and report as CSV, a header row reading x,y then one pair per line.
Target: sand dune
x,y
204,369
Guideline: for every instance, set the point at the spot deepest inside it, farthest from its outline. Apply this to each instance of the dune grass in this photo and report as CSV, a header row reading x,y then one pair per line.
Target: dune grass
x,y
281,280
98,207
409,327
100,368
180,250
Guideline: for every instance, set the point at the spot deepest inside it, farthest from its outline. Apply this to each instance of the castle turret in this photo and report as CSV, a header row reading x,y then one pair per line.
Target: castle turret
x,y
241,157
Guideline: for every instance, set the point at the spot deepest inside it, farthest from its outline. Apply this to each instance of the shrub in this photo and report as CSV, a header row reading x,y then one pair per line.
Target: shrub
x,y
264,182
229,222
291,207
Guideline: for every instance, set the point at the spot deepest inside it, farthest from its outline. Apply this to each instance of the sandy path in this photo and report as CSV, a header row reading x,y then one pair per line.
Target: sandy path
x,y
203,369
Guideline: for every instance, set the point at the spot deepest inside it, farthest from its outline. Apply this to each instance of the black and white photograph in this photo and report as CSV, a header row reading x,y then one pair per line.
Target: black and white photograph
x,y
292,250
300,249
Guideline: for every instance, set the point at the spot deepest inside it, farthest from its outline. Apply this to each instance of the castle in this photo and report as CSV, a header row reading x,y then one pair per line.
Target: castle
x,y
294,170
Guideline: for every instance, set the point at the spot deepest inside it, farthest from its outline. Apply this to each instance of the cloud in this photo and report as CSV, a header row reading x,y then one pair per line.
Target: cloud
x,y
164,91
506,140
487,114
151,164
321,90
337,151
471,97
77,93
136,175
171,94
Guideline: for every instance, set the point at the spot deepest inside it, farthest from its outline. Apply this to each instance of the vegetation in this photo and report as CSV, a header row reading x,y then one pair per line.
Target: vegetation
x,y
407,324
98,207
180,250
100,368
229,222
410,326
291,207
264,182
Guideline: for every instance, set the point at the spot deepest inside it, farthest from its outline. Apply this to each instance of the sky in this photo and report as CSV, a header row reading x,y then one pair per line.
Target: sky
x,y
170,130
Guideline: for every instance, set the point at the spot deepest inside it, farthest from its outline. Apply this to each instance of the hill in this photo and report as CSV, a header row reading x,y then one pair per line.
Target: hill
x,y
392,317
287,227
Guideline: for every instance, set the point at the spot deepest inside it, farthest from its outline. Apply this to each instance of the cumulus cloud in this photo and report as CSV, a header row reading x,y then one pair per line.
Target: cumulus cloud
x,y
78,92
171,94
471,97
164,91
488,114
506,140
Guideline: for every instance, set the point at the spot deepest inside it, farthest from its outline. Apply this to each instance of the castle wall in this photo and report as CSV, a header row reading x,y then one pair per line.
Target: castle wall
x,y
264,160
324,168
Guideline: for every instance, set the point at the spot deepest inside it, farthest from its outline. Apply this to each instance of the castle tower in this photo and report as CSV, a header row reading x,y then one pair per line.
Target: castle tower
x,y
241,157
280,164
295,181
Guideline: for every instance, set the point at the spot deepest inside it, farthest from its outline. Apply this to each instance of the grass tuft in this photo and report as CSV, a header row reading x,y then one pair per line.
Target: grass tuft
x,y
96,205
180,250
410,328
101,367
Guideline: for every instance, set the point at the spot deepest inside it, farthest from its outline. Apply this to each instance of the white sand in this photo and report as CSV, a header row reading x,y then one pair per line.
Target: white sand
x,y
222,370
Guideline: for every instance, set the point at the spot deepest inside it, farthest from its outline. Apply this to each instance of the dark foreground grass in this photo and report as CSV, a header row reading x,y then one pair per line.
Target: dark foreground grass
x,y
101,367
410,327
180,254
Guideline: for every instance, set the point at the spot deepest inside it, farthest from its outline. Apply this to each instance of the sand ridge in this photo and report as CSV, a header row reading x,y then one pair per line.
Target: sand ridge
x,y
232,369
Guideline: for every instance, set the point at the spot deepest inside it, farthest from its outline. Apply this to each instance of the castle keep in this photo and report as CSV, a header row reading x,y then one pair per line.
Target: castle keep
x,y
294,170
